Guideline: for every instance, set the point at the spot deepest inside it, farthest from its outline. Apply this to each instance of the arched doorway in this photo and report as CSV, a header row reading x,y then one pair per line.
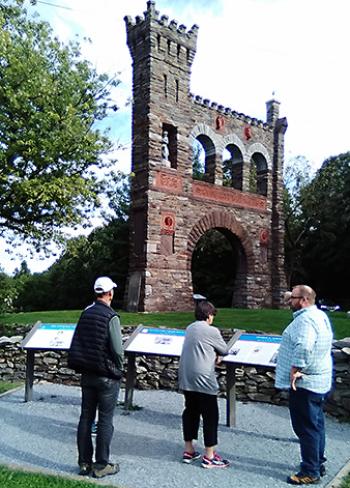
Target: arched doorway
x,y
219,269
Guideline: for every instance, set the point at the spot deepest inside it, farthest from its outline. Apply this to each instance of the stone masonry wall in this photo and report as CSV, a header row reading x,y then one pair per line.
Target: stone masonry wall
x,y
153,372
171,210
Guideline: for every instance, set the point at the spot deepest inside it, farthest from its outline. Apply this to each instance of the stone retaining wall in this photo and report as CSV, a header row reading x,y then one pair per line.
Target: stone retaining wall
x,y
154,372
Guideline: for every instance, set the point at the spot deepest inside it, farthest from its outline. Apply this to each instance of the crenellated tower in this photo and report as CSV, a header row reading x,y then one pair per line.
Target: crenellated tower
x,y
170,209
162,53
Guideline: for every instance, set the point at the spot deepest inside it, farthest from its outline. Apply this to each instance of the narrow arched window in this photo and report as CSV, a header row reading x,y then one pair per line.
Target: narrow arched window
x,y
165,79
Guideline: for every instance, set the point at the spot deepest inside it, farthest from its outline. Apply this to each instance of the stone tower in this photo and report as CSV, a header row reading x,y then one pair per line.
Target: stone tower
x,y
170,209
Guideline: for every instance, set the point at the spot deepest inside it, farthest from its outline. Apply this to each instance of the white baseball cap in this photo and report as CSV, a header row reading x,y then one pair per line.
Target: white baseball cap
x,y
103,284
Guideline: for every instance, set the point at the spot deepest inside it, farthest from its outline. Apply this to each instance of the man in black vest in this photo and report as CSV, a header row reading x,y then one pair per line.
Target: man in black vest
x,y
97,353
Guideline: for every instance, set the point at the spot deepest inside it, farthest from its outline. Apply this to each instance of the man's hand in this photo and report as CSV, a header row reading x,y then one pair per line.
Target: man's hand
x,y
295,374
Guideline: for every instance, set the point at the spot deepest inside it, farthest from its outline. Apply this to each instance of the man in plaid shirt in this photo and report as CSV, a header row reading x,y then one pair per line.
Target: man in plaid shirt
x,y
304,366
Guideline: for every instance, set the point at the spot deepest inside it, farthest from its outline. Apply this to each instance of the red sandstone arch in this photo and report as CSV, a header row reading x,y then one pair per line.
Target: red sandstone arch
x,y
220,219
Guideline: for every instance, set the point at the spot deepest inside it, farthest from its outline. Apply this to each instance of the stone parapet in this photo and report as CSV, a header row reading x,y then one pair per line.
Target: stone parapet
x,y
253,384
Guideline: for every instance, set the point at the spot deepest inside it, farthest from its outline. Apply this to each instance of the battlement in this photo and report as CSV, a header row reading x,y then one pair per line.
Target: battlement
x,y
220,109
169,29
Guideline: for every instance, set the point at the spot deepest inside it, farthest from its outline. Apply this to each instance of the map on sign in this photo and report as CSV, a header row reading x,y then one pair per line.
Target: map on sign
x,y
49,336
147,340
259,350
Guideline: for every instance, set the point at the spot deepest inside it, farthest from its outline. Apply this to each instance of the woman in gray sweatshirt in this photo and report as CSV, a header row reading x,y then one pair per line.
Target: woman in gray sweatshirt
x,y
197,380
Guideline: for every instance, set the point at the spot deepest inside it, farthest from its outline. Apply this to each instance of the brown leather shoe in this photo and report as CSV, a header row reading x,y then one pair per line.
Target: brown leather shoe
x,y
302,479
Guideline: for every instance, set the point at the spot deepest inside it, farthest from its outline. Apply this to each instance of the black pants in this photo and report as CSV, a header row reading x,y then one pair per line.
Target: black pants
x,y
102,394
197,405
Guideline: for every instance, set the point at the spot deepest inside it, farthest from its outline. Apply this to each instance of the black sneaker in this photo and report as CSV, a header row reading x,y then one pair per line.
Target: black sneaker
x,y
189,457
322,470
109,469
84,469
302,479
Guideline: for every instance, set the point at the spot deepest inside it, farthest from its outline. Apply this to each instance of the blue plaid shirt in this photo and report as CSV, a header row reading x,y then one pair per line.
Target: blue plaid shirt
x,y
306,344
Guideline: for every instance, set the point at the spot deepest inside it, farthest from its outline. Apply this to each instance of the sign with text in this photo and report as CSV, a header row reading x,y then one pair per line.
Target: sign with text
x,y
255,349
148,340
49,336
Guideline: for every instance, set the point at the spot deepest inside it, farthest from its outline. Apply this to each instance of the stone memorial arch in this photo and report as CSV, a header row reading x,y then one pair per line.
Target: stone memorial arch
x,y
171,210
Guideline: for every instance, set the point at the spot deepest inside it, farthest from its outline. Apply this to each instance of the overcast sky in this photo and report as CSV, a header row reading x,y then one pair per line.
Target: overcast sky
x,y
247,50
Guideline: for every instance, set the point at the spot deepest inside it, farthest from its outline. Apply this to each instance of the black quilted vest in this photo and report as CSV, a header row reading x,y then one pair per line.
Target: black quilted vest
x,y
89,351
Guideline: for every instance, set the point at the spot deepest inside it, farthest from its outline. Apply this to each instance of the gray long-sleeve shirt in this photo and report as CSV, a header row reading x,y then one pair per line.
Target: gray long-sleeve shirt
x,y
203,343
116,342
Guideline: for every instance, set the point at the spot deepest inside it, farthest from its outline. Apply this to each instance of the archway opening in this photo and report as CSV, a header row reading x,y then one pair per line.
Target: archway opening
x,y
203,159
258,174
232,167
219,268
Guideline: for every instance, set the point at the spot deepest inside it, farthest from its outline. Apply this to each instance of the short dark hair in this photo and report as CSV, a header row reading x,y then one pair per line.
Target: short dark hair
x,y
203,310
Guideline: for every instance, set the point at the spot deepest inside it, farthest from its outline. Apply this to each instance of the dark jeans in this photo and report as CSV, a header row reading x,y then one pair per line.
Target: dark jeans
x,y
102,394
306,412
197,405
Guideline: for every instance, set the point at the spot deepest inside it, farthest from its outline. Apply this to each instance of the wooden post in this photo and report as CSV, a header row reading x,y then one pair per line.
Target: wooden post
x,y
28,394
130,380
230,395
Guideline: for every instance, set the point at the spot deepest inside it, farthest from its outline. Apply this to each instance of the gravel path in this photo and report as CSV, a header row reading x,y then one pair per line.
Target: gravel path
x,y
147,443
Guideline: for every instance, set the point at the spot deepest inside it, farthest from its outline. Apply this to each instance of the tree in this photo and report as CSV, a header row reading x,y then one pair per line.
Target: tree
x,y
326,247
68,282
50,148
7,292
198,161
297,175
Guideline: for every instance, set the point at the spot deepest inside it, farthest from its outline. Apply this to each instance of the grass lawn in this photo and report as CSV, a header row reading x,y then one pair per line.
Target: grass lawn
x,y
267,320
345,482
7,386
10,478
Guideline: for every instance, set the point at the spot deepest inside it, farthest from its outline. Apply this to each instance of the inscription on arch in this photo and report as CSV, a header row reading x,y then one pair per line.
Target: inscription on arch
x,y
228,196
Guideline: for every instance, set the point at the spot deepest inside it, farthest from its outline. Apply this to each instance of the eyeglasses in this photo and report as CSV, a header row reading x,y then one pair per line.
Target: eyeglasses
x,y
298,296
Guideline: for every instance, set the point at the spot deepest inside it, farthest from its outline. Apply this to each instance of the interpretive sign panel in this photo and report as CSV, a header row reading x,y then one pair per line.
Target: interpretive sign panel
x,y
256,349
163,342
45,337
49,336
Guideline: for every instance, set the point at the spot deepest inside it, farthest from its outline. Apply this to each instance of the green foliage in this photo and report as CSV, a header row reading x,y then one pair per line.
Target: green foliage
x,y
198,161
50,101
232,167
68,283
317,218
326,247
7,293
345,482
297,175
227,177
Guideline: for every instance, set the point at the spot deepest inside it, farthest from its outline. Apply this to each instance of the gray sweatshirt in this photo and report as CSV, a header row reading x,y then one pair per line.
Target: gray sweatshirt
x,y
203,343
